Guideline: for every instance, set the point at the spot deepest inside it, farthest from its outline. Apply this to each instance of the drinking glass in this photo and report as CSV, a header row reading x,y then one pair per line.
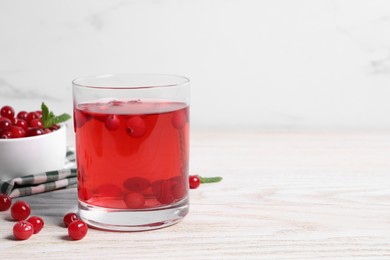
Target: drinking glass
x,y
132,134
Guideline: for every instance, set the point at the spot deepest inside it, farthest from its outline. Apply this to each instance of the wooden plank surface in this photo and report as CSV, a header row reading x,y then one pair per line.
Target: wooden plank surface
x,y
285,195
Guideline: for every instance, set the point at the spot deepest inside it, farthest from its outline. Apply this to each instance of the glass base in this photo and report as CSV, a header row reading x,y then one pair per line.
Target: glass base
x,y
132,220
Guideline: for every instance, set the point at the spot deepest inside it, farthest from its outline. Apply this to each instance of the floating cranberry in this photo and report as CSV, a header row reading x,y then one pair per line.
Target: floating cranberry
x,y
134,200
5,124
17,132
36,123
136,184
7,111
112,122
23,230
22,115
136,126
77,229
37,223
162,190
194,181
179,119
69,218
5,202
20,210
179,188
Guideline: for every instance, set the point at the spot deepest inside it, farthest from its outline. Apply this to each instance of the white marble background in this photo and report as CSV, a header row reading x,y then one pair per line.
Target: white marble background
x,y
265,64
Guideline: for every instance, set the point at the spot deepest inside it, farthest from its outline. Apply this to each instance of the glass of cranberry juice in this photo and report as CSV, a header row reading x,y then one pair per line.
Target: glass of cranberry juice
x,y
132,134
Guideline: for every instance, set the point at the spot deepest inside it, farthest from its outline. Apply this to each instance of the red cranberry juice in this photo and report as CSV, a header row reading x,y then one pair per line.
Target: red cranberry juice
x,y
132,154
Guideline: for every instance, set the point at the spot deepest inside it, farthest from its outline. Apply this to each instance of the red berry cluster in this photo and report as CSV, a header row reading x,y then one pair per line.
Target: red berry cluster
x,y
20,211
27,226
77,229
22,124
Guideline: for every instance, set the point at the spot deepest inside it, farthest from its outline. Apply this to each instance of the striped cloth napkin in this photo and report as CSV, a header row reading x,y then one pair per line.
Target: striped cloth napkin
x,y
42,182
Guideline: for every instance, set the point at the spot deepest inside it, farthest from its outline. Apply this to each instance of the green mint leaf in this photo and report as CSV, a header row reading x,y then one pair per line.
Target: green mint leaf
x,y
51,115
61,118
45,112
209,179
49,119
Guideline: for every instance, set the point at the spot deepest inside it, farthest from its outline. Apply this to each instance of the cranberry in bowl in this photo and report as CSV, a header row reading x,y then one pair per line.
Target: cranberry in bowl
x,y
31,142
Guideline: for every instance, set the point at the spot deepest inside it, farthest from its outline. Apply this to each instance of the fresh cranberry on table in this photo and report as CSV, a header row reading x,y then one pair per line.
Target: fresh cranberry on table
x,y
23,230
20,210
69,218
194,181
37,223
5,202
77,229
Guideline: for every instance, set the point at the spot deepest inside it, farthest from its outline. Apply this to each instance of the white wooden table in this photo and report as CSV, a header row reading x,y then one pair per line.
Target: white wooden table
x,y
285,195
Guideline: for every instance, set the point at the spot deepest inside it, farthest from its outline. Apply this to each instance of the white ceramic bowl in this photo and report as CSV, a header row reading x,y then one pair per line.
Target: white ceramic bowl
x,y
31,155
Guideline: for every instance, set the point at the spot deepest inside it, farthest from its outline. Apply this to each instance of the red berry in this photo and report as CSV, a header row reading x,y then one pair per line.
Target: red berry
x,y
20,210
30,116
163,191
77,229
134,200
37,223
7,111
194,181
36,123
136,126
47,130
136,184
5,202
17,132
22,115
69,218
22,123
179,119
5,135
5,124
35,131
112,122
23,230
54,127
179,188
13,120
39,112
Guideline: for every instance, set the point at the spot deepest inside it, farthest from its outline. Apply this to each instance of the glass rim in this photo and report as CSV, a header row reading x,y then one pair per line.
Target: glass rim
x,y
85,82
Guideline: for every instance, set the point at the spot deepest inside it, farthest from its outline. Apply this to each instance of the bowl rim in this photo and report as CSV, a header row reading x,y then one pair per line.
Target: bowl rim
x,y
21,139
